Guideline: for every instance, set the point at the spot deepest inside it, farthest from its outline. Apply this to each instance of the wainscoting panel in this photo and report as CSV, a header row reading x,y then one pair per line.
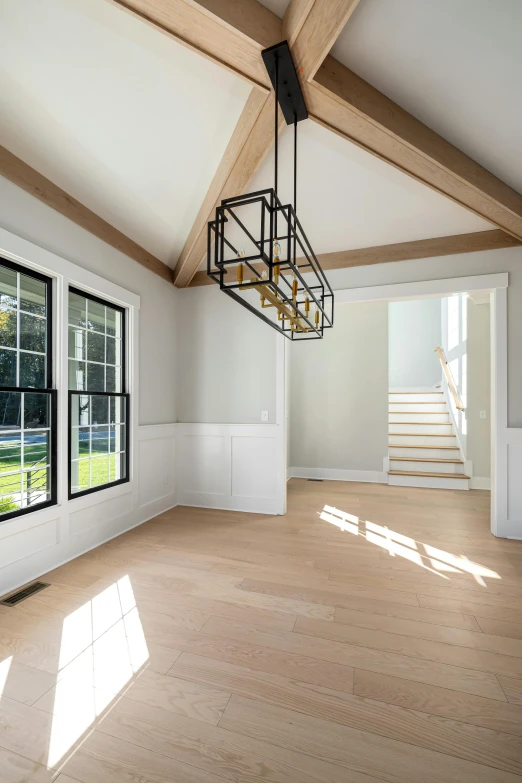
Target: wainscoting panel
x,y
39,542
231,466
514,488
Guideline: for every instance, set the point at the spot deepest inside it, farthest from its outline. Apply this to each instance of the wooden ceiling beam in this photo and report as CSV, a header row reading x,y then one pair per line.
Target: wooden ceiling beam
x,y
15,170
405,251
244,155
336,97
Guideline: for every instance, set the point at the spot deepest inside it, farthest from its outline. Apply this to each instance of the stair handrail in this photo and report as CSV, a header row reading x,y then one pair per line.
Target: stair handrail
x,y
450,381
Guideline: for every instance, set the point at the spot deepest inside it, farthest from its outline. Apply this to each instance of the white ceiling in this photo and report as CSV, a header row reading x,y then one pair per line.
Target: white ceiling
x,y
349,199
276,6
120,116
454,64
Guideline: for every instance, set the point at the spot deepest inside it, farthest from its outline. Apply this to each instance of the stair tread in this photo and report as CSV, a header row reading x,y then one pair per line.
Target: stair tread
x,y
431,423
427,475
413,392
409,446
427,459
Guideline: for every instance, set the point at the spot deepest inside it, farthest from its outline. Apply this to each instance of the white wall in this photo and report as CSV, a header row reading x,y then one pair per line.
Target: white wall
x,y
339,396
486,262
226,360
26,216
35,543
414,331
479,391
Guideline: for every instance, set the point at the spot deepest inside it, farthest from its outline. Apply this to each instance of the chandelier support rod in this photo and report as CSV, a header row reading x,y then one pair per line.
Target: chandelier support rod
x,y
276,134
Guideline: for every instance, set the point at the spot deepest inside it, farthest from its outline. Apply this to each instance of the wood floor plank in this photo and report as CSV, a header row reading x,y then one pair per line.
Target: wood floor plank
x,y
500,628
418,648
23,683
24,730
194,700
210,749
479,640
18,769
418,614
478,610
106,759
477,710
512,688
352,749
428,671
322,592
490,747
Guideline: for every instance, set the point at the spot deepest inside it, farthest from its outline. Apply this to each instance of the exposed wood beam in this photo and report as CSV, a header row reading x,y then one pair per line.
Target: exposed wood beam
x,y
233,172
339,100
232,33
15,170
294,19
406,251
243,157
319,31
345,103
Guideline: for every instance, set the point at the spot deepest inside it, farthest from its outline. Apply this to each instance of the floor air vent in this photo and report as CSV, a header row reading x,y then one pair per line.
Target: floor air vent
x,y
315,479
24,593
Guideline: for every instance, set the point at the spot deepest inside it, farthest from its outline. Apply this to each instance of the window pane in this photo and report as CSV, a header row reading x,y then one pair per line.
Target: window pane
x,y
117,438
8,328
8,295
36,448
32,370
84,441
25,457
117,467
111,350
100,440
10,410
7,368
32,333
95,347
80,475
77,375
77,310
100,470
99,410
114,322
95,377
117,410
96,316
36,411
32,295
10,453
76,343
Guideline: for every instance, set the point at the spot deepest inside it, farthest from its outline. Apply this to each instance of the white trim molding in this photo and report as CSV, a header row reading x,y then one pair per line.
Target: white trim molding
x,y
335,474
423,289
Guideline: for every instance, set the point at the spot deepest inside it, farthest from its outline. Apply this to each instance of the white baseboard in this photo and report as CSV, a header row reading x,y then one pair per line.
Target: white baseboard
x,y
334,474
480,482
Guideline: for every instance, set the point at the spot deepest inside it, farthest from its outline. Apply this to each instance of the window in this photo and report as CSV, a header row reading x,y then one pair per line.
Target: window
x,y
27,400
98,403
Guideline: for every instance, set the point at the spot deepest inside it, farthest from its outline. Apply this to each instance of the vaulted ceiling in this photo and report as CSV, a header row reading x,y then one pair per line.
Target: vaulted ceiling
x,y
142,121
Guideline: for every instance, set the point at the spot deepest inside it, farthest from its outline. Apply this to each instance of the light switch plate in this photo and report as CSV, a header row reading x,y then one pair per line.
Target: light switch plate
x,y
482,414
264,416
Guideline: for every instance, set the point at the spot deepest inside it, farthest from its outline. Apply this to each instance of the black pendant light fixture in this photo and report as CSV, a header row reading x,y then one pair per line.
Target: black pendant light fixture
x,y
258,252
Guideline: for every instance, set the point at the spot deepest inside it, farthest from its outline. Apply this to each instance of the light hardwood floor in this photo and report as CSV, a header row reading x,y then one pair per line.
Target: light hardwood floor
x,y
372,634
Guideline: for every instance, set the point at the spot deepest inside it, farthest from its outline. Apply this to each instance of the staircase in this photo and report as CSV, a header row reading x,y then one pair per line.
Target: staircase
x,y
423,448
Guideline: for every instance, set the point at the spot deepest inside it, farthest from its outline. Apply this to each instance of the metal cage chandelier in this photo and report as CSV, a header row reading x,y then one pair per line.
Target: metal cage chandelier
x,y
258,252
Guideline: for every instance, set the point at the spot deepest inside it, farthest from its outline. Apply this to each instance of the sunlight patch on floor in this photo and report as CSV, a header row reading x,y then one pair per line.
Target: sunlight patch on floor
x,y
103,647
4,672
438,561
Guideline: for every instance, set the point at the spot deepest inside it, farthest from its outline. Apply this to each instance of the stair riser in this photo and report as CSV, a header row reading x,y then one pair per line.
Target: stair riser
x,y
423,440
398,397
432,483
414,416
427,467
410,407
427,453
421,429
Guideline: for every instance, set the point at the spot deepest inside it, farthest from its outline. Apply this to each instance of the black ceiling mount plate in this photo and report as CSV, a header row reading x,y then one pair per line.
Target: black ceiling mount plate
x,y
291,99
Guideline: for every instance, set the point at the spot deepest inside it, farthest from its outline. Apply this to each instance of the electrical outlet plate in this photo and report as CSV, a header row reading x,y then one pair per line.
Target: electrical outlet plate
x,y
264,416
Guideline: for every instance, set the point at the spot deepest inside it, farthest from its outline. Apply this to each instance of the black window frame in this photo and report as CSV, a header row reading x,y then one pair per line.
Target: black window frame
x,y
86,393
52,392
